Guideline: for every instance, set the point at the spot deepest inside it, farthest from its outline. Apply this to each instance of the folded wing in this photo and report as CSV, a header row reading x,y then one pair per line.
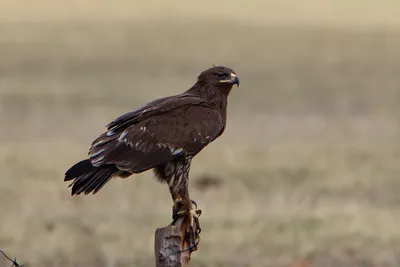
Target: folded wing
x,y
157,133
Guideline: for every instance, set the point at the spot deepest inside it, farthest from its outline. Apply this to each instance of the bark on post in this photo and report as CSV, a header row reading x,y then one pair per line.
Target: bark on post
x,y
170,245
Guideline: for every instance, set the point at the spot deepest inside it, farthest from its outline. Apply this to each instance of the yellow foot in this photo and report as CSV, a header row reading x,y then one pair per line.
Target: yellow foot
x,y
194,229
194,216
193,224
178,210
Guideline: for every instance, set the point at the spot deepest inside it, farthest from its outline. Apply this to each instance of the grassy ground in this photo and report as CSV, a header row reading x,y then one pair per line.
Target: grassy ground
x,y
308,167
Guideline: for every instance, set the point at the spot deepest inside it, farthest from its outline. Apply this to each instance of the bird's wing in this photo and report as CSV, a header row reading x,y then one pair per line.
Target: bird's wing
x,y
157,133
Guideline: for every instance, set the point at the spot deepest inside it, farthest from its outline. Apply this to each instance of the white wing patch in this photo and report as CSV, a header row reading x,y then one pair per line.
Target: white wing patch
x,y
98,143
207,140
176,152
122,136
95,161
97,153
95,158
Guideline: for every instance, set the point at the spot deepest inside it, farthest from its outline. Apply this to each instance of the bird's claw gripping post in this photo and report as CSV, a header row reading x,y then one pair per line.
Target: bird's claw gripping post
x,y
193,234
193,224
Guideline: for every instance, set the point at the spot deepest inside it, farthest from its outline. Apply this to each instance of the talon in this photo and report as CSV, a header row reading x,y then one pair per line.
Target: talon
x,y
191,237
193,247
198,229
198,212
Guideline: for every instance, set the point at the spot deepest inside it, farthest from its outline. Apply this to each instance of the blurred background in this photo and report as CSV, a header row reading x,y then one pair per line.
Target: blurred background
x,y
306,174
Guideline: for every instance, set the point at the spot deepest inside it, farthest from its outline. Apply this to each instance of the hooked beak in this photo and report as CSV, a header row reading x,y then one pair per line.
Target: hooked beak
x,y
234,80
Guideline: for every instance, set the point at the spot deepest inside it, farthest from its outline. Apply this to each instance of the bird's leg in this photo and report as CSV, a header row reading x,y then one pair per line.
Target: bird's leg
x,y
183,205
180,207
176,210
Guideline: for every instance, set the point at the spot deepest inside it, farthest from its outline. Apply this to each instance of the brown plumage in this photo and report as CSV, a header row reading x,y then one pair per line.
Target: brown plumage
x,y
164,135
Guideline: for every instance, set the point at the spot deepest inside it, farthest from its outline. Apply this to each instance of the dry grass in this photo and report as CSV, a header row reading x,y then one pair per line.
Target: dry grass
x,y
308,166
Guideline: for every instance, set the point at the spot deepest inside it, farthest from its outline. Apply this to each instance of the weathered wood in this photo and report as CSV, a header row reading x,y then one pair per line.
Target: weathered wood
x,y
170,245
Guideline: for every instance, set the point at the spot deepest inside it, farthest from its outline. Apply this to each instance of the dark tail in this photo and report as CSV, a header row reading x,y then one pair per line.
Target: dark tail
x,y
87,178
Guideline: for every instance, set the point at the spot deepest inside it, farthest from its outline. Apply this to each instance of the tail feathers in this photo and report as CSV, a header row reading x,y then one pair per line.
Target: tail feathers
x,y
89,179
79,169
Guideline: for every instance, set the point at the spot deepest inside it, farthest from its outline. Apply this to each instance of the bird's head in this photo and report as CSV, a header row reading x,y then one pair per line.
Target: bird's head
x,y
219,76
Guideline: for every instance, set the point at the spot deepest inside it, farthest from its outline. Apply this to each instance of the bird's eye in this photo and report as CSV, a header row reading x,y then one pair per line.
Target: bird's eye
x,y
220,75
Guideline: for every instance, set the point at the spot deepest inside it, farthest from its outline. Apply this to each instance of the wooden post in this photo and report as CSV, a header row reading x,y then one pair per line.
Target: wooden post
x,y
171,247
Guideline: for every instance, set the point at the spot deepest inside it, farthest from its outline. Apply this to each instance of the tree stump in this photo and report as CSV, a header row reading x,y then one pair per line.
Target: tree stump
x,y
171,247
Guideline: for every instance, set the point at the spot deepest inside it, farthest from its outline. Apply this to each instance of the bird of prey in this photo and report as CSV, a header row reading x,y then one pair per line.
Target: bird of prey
x,y
163,135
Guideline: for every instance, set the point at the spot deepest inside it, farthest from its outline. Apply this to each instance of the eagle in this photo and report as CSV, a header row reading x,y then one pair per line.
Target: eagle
x,y
163,135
